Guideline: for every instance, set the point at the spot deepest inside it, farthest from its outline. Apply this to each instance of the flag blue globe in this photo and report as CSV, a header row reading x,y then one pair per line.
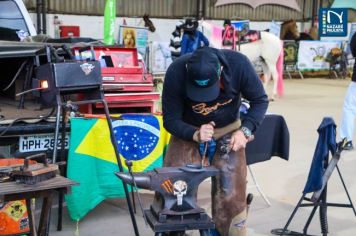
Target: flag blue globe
x,y
136,135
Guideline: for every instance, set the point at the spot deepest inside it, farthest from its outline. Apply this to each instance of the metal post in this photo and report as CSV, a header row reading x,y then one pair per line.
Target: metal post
x,y
117,154
310,218
323,216
198,10
62,169
38,15
27,82
204,9
347,192
44,21
303,11
314,9
319,6
56,132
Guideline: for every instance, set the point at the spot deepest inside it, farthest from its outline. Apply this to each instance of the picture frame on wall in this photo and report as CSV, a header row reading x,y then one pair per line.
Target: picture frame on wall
x,y
134,37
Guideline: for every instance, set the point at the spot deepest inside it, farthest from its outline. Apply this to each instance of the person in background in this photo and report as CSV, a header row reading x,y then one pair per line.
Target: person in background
x,y
228,37
349,111
192,37
175,42
201,100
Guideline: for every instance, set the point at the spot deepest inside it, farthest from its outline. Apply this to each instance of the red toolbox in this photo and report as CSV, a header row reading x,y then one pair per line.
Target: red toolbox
x,y
69,31
130,100
125,80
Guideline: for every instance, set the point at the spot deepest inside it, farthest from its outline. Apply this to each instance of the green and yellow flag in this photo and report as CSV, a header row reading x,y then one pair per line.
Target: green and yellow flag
x,y
140,138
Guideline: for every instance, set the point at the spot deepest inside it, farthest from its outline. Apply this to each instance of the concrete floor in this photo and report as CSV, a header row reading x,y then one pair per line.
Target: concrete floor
x,y
304,105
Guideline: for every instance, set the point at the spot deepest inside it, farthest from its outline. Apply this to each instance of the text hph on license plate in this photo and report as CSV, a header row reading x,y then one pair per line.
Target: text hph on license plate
x,y
36,143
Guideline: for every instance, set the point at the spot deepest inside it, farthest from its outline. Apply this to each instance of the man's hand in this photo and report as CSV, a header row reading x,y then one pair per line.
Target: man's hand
x,y
238,140
205,133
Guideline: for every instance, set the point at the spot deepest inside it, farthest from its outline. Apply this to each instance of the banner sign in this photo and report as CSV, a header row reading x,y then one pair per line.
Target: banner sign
x,y
333,22
242,25
275,28
134,37
161,57
290,48
213,33
312,54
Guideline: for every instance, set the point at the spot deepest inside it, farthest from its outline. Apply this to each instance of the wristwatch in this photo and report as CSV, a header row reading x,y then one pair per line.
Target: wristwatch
x,y
247,132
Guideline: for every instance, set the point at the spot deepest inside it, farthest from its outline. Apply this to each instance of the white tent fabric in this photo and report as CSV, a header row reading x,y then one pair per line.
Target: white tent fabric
x,y
255,3
344,4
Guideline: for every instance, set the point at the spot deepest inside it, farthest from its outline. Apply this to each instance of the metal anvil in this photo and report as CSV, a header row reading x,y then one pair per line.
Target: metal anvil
x,y
177,186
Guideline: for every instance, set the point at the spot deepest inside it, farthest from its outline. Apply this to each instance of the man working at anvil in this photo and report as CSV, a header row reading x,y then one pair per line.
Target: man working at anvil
x,y
201,99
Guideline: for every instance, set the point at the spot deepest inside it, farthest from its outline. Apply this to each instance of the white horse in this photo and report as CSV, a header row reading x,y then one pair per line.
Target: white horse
x,y
269,48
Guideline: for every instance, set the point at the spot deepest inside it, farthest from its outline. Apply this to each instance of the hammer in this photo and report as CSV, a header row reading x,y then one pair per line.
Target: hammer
x,y
205,161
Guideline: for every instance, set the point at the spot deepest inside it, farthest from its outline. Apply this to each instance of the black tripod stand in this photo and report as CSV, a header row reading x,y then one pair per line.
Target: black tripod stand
x,y
319,198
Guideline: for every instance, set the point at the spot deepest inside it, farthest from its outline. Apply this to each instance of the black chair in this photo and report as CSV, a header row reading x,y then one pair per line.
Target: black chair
x,y
319,174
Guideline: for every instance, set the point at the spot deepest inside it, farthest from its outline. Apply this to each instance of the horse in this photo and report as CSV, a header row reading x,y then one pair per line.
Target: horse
x,y
269,47
289,31
148,23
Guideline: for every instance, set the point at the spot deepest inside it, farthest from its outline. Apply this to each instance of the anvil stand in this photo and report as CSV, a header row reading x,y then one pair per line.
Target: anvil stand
x,y
321,202
177,188
91,91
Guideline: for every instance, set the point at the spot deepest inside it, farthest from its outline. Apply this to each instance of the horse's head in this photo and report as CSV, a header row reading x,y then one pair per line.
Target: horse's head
x,y
148,23
290,27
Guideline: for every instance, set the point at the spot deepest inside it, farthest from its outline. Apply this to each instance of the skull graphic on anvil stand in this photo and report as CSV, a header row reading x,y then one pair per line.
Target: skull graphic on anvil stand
x,y
177,187
179,190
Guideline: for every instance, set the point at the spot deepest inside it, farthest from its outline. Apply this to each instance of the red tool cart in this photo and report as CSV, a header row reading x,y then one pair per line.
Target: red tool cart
x,y
125,80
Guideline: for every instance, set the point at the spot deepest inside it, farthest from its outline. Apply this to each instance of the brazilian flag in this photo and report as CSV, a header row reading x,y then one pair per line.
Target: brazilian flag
x,y
92,162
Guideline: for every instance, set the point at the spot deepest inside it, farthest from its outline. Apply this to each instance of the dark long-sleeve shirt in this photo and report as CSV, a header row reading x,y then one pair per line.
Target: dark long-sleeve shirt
x,y
182,116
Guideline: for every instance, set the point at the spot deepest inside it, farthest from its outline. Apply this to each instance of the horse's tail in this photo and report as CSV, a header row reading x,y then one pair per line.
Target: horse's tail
x,y
279,65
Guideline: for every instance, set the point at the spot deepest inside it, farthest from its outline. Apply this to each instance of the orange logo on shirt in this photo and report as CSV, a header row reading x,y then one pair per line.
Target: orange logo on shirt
x,y
203,109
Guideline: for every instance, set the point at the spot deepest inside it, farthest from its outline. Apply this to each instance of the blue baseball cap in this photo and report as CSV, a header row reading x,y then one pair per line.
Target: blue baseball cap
x,y
203,72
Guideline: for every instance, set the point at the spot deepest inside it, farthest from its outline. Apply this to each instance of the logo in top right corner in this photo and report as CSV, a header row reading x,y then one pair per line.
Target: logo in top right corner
x,y
333,22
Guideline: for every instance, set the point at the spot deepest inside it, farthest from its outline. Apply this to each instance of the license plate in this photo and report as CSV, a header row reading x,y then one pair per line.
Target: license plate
x,y
35,143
